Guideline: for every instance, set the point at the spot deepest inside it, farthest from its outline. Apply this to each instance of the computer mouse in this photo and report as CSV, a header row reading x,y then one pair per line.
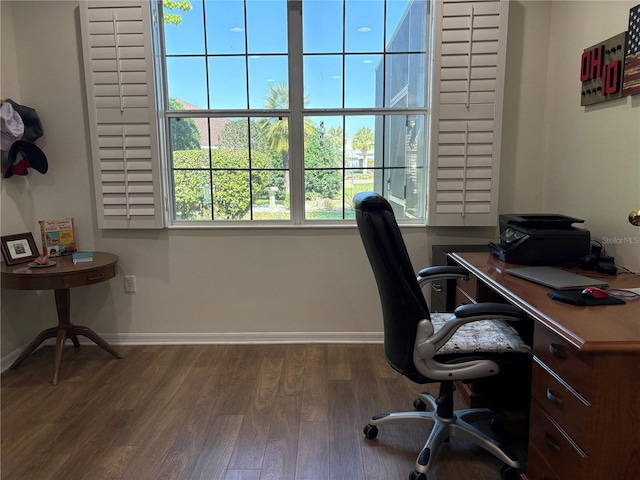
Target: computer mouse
x,y
594,292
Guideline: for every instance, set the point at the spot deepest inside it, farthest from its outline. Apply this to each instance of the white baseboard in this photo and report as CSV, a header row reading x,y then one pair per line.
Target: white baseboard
x,y
218,338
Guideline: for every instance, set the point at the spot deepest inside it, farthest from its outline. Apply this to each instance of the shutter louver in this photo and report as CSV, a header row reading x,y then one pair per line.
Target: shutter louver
x,y
467,112
122,113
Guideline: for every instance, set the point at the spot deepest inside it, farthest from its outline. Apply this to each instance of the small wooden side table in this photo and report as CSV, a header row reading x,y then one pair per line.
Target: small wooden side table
x,y
61,278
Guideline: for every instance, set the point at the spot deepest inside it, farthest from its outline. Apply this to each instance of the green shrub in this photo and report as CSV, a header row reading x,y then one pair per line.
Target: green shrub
x,y
231,192
322,177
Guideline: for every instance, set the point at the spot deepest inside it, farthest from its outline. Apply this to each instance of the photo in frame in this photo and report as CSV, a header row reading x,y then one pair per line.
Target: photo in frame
x,y
18,248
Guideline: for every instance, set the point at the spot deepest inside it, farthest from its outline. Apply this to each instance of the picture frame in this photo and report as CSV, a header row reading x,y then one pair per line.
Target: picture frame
x,y
18,248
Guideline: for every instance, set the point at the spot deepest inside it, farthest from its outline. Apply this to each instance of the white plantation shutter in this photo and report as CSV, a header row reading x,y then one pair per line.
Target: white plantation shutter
x,y
116,37
467,112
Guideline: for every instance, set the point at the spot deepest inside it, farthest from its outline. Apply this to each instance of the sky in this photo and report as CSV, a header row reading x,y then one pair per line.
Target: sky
x,y
264,40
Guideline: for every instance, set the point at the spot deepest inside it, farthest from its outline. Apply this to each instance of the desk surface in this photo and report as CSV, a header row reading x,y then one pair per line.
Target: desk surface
x,y
65,274
595,328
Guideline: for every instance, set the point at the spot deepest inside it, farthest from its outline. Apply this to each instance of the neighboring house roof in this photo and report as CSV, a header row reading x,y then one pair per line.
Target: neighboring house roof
x,y
213,124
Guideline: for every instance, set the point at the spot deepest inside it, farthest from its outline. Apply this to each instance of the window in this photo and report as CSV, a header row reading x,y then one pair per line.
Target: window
x,y
279,111
282,121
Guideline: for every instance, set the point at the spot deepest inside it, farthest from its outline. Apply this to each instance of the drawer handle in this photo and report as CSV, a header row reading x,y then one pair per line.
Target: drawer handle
x,y
557,400
436,287
97,277
551,444
557,351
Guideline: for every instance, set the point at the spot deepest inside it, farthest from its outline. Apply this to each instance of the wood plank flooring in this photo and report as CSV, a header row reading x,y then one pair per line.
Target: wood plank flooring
x,y
229,412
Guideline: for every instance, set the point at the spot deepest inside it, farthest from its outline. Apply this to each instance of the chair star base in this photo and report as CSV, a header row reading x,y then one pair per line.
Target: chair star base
x,y
446,423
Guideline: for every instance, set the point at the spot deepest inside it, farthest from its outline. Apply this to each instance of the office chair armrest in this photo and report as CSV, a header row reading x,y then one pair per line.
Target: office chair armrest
x,y
443,272
427,346
490,309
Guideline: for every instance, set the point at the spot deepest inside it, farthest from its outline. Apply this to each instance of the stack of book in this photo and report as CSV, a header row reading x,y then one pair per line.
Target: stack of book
x,y
81,257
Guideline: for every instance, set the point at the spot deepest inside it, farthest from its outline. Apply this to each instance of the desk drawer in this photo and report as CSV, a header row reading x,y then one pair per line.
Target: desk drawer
x,y
469,286
555,447
571,412
87,277
538,468
573,367
463,298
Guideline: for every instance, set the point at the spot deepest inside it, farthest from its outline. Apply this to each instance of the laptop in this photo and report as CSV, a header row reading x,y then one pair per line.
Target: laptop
x,y
556,278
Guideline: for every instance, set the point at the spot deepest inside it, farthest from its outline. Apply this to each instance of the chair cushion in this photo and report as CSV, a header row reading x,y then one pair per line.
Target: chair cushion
x,y
490,336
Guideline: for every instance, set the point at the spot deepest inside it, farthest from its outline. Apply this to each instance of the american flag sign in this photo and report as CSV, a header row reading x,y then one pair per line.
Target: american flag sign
x,y
631,78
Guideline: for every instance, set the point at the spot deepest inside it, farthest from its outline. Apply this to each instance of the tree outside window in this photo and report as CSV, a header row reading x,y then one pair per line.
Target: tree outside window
x,y
229,115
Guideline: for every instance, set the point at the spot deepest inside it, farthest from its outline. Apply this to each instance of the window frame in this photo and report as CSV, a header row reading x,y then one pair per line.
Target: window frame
x,y
295,114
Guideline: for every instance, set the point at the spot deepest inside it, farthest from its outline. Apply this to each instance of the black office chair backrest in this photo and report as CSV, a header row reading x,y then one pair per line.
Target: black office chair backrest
x,y
403,304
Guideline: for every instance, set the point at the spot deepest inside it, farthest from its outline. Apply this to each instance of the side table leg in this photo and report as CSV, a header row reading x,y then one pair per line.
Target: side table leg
x,y
35,343
63,307
93,336
66,329
57,357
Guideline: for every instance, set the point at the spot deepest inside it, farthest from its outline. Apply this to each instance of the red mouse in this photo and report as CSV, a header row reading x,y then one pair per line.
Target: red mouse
x,y
594,292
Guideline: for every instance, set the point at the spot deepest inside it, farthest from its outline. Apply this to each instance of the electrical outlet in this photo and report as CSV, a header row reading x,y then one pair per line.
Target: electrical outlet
x,y
130,284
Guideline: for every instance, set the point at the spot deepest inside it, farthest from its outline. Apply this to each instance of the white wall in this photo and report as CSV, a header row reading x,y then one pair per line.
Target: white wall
x,y
8,75
215,281
189,281
592,154
557,156
523,121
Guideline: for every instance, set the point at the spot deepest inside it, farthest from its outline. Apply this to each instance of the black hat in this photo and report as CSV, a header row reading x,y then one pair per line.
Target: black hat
x,y
32,125
24,155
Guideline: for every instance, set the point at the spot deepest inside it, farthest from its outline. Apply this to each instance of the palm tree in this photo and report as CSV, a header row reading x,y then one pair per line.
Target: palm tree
x,y
337,134
276,130
363,140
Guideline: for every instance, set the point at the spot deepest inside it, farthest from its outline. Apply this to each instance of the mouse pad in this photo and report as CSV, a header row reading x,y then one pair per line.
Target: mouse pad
x,y
574,297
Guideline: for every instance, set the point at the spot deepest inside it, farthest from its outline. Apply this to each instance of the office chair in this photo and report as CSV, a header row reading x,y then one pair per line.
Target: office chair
x,y
420,346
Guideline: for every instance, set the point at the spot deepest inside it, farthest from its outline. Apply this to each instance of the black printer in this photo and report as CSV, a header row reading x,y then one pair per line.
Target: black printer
x,y
540,239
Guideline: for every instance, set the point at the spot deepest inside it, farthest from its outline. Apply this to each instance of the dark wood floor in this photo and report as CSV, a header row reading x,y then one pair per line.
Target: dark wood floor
x,y
236,412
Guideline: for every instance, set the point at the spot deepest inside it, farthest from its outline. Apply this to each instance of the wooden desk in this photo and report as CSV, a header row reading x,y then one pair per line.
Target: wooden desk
x,y
61,278
585,388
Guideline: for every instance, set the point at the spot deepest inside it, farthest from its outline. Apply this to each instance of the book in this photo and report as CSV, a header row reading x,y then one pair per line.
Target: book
x,y
81,257
58,237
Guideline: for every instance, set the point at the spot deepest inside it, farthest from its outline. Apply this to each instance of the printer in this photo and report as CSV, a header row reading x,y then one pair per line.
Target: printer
x,y
540,239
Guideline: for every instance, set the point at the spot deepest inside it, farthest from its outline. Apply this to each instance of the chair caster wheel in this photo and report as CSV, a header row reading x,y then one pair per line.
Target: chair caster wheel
x,y
371,431
509,473
415,475
419,405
